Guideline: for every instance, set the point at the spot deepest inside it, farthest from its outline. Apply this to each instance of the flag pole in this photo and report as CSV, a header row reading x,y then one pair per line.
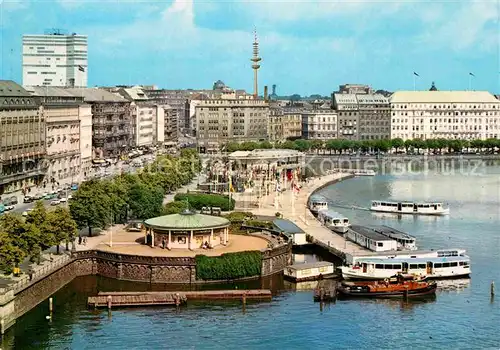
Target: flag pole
x,y
414,82
470,82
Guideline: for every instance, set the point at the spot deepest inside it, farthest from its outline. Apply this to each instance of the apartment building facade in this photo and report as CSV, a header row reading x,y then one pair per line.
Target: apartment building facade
x,y
374,117
55,60
221,121
444,114
61,111
112,131
346,106
22,139
320,124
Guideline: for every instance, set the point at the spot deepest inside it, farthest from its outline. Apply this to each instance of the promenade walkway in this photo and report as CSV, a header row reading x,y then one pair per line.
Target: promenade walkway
x,y
294,208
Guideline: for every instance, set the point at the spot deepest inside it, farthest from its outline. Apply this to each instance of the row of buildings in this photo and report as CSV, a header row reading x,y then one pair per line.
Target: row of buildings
x,y
355,112
53,134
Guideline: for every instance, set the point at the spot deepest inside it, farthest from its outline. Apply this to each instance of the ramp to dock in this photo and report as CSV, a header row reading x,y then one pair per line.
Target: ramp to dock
x,y
124,299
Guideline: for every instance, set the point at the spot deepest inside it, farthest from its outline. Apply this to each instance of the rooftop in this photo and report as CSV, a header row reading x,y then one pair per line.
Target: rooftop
x,y
49,91
443,97
310,265
10,88
287,226
391,232
369,233
186,221
265,153
96,95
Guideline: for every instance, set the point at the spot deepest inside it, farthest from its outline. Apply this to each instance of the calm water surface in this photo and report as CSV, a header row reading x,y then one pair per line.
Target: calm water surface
x,y
461,316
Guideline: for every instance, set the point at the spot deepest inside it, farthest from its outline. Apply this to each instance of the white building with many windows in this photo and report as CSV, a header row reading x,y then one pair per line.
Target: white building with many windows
x,y
319,124
444,114
55,60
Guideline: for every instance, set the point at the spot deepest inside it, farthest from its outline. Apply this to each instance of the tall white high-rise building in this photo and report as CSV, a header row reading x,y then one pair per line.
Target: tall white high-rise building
x,y
55,60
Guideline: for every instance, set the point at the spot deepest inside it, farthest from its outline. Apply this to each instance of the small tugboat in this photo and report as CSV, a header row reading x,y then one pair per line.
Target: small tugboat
x,y
399,286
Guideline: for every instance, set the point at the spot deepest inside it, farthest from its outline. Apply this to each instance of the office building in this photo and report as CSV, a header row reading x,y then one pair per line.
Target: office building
x,y
221,121
22,139
319,124
444,114
55,60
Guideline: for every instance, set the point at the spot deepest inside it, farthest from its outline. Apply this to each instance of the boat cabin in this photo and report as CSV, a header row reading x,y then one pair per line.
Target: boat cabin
x,y
330,217
409,207
404,240
317,204
310,271
352,259
368,238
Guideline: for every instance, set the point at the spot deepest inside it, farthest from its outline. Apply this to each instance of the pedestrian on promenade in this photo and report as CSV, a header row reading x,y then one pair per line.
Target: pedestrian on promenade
x,y
84,240
163,243
80,240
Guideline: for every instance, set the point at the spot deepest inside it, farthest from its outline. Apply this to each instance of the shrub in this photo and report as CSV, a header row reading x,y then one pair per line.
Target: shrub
x,y
174,207
259,223
238,216
200,200
229,266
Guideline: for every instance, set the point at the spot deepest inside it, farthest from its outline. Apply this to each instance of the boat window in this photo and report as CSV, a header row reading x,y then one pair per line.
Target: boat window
x,y
421,266
413,256
461,263
413,266
466,263
446,264
380,244
438,265
453,264
397,267
388,267
379,266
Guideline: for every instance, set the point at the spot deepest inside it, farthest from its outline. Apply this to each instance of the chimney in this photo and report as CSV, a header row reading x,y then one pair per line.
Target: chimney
x,y
265,93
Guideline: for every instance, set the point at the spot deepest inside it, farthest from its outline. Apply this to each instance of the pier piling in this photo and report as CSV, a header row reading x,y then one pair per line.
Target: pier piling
x,y
492,289
177,300
2,326
109,302
244,298
51,306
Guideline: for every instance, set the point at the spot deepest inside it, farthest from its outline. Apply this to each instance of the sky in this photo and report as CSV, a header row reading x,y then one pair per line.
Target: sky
x,y
307,47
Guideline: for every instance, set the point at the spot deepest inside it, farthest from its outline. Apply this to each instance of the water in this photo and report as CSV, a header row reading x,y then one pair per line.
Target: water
x,y
461,316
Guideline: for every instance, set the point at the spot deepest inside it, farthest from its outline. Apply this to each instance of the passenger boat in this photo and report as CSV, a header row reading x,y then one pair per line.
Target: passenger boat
x,y
399,286
433,264
409,208
334,221
404,240
364,172
317,204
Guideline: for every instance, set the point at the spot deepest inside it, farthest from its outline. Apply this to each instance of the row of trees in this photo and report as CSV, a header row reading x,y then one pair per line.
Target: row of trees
x,y
338,146
99,203
26,238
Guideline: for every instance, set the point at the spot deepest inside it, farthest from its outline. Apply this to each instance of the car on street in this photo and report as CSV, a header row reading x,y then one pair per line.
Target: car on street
x,y
28,199
55,202
63,200
9,207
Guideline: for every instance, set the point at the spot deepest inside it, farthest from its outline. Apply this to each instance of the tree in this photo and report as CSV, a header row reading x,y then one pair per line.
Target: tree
x,y
91,206
265,145
145,202
11,256
25,236
60,226
174,207
397,143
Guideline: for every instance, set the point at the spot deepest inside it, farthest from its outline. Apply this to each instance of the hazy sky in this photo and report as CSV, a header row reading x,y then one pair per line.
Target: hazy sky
x,y
306,46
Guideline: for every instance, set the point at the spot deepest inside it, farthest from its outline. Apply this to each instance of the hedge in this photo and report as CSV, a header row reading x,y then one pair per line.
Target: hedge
x,y
229,266
200,200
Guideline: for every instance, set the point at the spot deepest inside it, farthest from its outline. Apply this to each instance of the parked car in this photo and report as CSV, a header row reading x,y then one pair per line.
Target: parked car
x,y
28,199
37,197
135,227
63,200
55,202
11,201
9,207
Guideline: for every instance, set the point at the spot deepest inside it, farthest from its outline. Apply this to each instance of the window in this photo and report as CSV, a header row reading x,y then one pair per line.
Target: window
x,y
379,266
380,244
438,265
388,267
422,266
413,266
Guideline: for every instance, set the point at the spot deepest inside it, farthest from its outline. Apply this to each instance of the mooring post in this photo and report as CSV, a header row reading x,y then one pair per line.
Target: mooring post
x,y
51,305
244,298
492,289
177,299
109,302
405,293
2,326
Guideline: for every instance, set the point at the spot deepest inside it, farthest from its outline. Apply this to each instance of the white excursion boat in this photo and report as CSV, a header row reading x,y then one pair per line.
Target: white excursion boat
x,y
334,221
431,264
433,208
404,240
364,172
317,204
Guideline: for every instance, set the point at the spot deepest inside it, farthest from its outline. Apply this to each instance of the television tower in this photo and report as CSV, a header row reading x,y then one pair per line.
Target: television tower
x,y
256,65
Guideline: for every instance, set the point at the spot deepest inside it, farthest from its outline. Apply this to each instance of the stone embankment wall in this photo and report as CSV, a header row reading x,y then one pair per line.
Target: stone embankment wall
x,y
15,303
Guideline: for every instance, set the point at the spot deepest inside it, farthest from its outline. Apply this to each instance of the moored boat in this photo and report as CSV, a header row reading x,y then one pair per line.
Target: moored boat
x,y
432,208
334,221
376,268
399,286
364,172
317,204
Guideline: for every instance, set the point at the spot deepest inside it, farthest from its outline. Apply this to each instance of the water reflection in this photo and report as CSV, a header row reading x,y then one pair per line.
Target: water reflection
x,y
397,304
457,285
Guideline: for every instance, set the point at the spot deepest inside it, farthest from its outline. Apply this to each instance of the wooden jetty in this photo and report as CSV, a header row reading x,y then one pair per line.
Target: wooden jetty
x,y
124,299
326,290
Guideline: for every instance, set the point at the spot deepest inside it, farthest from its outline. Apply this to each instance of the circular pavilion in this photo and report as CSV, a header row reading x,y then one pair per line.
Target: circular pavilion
x,y
187,230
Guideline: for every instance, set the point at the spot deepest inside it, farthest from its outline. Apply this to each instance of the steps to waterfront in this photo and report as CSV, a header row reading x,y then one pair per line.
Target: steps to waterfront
x,y
124,299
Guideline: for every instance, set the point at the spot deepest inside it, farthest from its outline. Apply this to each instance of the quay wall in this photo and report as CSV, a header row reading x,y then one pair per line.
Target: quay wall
x,y
16,302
